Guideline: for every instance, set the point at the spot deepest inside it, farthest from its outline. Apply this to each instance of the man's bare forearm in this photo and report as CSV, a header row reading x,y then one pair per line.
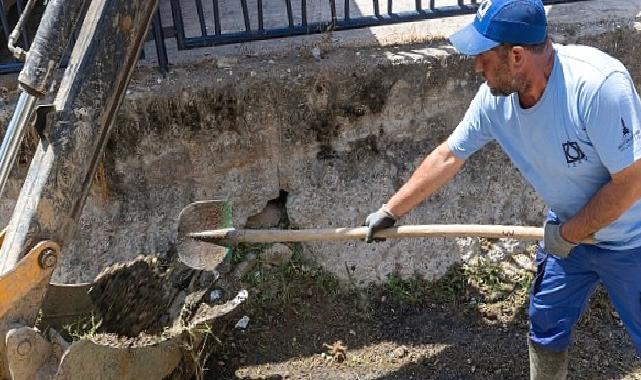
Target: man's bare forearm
x,y
436,170
606,205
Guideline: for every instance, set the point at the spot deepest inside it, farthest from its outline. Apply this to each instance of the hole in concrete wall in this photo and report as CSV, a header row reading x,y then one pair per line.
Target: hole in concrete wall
x,y
274,215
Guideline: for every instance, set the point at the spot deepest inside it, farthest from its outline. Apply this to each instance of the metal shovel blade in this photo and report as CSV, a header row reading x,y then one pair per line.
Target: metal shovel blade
x,y
198,216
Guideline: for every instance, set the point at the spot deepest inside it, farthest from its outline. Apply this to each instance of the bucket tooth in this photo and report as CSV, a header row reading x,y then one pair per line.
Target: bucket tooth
x,y
89,360
30,355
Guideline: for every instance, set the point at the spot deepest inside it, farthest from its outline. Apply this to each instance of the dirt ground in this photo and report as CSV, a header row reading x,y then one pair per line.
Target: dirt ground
x,y
469,325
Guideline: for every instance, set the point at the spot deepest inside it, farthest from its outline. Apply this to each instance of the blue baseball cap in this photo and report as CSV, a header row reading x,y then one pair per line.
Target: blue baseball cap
x,y
518,22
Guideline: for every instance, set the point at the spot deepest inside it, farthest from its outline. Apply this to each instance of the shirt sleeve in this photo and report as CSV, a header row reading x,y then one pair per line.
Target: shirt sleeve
x,y
613,122
473,132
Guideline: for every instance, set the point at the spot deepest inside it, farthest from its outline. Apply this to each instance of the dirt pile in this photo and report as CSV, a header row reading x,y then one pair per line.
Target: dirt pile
x,y
150,318
142,301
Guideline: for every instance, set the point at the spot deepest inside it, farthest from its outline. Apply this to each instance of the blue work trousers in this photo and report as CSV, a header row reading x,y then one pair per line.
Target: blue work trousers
x,y
562,288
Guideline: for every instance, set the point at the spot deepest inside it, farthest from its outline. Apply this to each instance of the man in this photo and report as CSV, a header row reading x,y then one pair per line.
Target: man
x,y
570,119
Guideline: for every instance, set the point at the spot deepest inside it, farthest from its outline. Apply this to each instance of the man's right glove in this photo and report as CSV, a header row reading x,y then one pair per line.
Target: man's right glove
x,y
383,218
554,242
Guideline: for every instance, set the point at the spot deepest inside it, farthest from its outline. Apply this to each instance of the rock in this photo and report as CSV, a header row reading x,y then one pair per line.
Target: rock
x,y
337,351
399,352
226,62
245,266
277,255
269,217
316,53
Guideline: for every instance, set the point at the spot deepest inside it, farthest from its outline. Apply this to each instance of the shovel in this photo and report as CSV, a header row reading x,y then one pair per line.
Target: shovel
x,y
205,233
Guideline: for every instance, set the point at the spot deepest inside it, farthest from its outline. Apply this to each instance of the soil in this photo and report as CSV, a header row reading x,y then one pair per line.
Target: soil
x,y
130,297
471,324
141,302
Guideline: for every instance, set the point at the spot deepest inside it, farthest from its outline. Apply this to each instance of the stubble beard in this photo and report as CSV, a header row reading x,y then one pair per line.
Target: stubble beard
x,y
505,84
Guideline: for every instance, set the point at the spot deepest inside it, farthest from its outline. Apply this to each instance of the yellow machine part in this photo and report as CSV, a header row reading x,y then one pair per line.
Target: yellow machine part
x,y
22,290
30,271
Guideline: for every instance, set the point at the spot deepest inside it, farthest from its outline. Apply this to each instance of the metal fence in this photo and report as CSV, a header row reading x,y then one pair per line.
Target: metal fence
x,y
347,20
8,64
197,24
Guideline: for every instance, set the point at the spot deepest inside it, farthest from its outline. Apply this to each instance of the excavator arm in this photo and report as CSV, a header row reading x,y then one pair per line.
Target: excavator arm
x,y
74,131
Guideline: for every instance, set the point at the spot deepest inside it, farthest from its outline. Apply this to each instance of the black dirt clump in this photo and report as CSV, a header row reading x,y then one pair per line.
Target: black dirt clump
x,y
145,295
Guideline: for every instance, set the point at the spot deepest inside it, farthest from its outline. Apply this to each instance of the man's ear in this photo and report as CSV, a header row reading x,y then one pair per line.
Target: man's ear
x,y
517,57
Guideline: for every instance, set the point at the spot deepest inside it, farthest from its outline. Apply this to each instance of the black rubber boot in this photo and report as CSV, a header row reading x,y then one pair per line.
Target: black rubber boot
x,y
546,364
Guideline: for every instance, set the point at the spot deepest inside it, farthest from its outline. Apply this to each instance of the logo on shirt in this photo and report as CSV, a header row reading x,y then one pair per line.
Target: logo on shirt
x,y
627,137
483,8
573,153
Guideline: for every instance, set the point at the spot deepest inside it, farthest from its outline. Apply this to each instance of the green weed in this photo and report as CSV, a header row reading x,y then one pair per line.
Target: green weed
x,y
85,328
287,286
404,291
242,250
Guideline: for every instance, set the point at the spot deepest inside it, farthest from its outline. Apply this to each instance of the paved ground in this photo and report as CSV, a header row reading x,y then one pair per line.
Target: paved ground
x,y
275,12
275,16
597,14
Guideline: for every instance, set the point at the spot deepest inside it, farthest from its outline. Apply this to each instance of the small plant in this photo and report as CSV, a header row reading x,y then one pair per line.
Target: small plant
x,y
198,344
284,286
523,281
403,291
493,283
485,274
242,250
327,282
85,328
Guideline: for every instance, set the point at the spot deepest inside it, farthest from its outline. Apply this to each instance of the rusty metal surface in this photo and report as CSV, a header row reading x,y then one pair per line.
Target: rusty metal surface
x,y
65,304
21,293
50,43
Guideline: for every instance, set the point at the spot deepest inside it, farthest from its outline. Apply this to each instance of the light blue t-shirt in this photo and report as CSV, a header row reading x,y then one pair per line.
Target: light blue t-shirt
x,y
585,127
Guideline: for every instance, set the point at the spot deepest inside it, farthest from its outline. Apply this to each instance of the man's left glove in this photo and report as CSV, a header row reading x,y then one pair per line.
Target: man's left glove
x,y
378,220
554,242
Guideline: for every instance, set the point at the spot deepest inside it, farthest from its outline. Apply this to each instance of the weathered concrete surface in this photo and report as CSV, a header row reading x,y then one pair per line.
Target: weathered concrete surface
x,y
339,135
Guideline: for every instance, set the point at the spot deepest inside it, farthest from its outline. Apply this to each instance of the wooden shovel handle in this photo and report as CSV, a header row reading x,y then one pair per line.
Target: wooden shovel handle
x,y
359,233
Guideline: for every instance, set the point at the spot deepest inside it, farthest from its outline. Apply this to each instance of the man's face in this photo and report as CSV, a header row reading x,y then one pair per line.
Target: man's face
x,y
493,65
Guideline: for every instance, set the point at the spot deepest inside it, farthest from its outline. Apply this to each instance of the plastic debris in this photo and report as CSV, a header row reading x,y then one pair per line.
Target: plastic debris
x,y
215,295
242,323
316,53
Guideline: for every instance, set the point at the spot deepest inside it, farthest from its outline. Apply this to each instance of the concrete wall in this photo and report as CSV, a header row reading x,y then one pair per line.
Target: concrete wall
x,y
340,135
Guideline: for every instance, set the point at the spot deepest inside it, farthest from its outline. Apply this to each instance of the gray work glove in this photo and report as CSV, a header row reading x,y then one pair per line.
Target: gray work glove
x,y
379,220
554,242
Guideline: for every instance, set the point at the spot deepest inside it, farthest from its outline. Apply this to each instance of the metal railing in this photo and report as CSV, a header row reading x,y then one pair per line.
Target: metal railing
x,y
205,21
8,64
421,10
346,21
